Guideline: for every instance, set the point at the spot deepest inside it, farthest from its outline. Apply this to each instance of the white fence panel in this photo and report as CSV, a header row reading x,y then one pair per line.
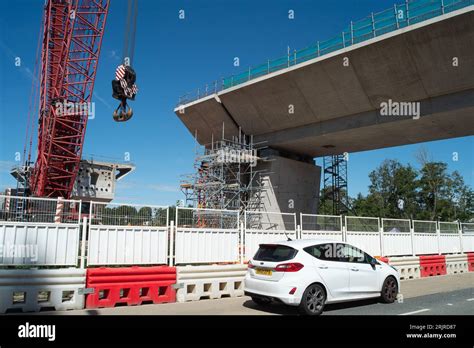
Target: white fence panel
x,y
124,234
467,230
206,236
205,245
425,237
468,242
449,243
396,237
40,244
39,231
364,233
321,226
267,227
122,245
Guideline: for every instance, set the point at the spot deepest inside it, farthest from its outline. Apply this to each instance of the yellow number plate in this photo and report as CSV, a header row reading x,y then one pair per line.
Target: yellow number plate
x,y
266,272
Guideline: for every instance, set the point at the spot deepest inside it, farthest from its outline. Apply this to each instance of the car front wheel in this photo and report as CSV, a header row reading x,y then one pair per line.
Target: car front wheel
x,y
389,290
313,300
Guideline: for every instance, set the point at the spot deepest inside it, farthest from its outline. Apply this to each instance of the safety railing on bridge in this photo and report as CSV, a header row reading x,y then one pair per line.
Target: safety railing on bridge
x,y
376,24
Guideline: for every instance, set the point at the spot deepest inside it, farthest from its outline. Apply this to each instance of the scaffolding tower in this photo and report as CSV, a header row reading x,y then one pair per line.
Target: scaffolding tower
x,y
335,183
225,176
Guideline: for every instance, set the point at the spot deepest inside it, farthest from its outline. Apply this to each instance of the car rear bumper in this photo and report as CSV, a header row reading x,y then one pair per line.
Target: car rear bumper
x,y
278,291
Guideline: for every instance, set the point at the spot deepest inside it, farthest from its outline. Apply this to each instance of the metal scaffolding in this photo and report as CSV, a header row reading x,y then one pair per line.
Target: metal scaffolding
x,y
225,176
335,183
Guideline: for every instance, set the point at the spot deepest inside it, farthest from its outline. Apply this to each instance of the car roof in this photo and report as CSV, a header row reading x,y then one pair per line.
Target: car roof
x,y
303,243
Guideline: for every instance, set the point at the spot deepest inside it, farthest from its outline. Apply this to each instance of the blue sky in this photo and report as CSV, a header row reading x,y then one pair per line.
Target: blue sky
x,y
174,56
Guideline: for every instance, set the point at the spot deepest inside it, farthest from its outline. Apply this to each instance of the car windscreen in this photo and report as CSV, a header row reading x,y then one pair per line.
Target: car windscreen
x,y
275,253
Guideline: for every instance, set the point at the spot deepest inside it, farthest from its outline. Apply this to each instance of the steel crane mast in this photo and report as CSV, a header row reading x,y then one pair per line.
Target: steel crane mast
x,y
72,37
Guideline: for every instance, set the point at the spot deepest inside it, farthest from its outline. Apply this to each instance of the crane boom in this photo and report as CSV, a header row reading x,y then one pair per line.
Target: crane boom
x,y
72,38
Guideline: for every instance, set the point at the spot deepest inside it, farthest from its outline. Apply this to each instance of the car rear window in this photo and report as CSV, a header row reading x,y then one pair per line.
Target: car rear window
x,y
275,253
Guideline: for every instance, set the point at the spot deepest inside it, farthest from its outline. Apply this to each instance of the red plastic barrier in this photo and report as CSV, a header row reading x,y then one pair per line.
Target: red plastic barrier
x,y
382,258
470,262
432,265
130,285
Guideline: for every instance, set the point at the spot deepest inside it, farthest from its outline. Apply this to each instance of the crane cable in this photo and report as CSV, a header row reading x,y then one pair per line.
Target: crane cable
x,y
130,30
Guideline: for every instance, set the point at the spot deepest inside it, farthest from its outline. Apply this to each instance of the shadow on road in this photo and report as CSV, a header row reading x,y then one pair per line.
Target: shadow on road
x,y
281,309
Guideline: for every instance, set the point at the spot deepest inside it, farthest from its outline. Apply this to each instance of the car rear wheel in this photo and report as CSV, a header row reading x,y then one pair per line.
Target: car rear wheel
x,y
261,301
313,300
389,290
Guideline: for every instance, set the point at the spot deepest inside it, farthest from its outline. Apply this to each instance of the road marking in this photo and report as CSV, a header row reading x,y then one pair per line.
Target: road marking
x,y
414,312
449,304
470,299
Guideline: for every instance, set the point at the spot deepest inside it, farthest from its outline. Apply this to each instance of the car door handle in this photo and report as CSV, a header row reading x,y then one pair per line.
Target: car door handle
x,y
323,266
354,269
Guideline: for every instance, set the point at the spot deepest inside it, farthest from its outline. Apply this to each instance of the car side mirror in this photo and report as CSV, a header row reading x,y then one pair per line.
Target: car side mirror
x,y
373,262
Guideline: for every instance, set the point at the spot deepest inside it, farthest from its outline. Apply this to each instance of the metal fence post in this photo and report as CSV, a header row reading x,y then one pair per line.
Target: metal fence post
x,y
319,53
396,15
344,230
407,14
242,243
442,6
460,237
85,229
381,236
268,66
373,24
171,251
352,33
412,237
438,235
343,40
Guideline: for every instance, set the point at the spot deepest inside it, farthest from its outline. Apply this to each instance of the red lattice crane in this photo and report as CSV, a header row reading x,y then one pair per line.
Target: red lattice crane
x,y
72,37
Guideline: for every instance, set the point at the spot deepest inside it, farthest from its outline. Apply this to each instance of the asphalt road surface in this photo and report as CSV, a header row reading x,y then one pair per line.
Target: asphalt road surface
x,y
442,295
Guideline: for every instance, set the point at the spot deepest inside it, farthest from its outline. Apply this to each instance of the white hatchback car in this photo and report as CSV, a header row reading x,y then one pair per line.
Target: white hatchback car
x,y
309,273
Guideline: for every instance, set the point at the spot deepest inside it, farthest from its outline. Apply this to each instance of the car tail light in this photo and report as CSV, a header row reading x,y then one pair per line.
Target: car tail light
x,y
292,291
288,267
249,265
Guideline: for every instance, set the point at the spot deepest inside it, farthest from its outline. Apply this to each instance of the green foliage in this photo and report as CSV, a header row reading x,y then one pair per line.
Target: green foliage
x,y
428,194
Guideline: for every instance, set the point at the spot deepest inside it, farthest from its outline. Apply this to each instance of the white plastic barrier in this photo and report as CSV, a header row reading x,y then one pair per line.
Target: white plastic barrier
x,y
425,243
206,245
468,242
456,263
33,289
396,237
364,233
127,234
397,243
195,283
206,236
321,226
39,244
449,243
408,267
127,245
